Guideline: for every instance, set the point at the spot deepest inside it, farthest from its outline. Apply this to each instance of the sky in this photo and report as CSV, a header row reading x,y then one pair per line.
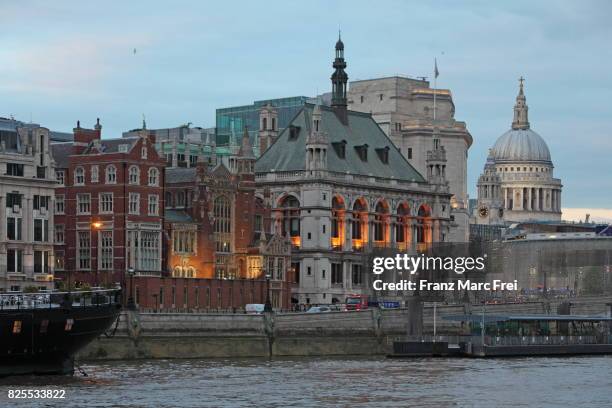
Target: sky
x,y
64,61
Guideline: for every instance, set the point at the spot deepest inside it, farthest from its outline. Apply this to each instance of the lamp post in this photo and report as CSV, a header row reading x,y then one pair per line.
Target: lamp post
x,y
268,304
131,305
96,225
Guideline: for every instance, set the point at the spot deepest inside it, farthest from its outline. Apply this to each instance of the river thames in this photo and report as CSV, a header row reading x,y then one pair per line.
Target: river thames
x,y
330,382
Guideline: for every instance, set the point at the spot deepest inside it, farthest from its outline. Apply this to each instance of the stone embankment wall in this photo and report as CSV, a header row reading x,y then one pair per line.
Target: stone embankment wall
x,y
369,332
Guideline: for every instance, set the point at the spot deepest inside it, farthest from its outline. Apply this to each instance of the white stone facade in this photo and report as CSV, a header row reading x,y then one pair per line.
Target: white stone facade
x,y
27,203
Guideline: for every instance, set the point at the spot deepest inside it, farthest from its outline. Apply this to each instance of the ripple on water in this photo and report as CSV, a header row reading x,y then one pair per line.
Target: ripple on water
x,y
323,382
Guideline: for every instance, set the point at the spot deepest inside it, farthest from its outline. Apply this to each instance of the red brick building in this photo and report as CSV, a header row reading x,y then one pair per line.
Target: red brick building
x,y
108,207
193,236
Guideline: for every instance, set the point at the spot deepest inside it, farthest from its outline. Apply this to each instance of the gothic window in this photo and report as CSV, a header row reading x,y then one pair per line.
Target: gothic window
x,y
222,212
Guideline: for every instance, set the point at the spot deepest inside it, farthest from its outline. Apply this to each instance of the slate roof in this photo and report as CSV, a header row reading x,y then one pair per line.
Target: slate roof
x,y
180,175
60,153
288,154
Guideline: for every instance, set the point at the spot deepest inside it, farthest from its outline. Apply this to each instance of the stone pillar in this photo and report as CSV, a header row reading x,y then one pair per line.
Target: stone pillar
x,y
529,196
537,200
2,218
348,232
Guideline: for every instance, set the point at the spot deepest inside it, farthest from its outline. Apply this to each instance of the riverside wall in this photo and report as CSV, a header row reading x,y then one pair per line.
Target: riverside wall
x,y
369,332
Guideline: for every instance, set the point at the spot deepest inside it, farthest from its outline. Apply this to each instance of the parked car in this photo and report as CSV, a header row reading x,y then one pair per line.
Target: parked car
x,y
319,309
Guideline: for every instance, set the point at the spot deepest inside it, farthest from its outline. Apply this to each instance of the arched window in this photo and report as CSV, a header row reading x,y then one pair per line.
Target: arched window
x,y
359,223
153,176
423,225
337,232
111,174
381,222
79,176
168,203
402,226
180,199
291,217
134,175
222,211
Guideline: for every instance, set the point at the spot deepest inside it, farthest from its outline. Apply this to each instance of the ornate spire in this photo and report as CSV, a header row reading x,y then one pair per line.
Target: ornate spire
x,y
246,150
339,80
521,120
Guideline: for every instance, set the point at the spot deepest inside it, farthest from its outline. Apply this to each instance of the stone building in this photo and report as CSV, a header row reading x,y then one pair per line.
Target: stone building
x,y
108,207
27,181
339,189
517,183
404,109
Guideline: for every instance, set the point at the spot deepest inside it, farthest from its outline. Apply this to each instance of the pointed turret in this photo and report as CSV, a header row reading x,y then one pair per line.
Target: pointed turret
x,y
316,142
521,120
339,80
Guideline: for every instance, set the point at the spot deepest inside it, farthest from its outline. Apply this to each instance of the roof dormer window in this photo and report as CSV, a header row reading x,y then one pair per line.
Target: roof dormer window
x,y
362,152
383,154
340,148
294,132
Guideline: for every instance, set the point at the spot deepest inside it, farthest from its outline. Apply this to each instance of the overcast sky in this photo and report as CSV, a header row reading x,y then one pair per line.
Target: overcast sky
x,y
62,61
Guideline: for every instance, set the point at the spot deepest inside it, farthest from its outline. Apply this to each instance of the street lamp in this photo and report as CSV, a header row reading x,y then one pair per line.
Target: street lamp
x,y
268,304
96,225
131,305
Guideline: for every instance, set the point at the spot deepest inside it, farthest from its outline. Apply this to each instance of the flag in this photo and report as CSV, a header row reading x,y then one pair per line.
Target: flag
x,y
436,72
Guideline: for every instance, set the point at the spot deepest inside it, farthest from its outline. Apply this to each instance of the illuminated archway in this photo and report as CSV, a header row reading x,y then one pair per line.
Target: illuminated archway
x,y
359,224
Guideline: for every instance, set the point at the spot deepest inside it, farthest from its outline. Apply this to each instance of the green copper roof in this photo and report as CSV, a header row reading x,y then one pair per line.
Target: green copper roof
x,y
288,154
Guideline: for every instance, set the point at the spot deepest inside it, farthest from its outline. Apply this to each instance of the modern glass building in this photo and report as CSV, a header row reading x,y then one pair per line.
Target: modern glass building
x,y
231,121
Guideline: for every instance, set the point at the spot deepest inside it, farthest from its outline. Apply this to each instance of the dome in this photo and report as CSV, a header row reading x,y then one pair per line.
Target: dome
x,y
520,145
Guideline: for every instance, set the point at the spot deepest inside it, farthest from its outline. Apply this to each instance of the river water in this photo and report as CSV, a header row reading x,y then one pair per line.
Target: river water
x,y
330,382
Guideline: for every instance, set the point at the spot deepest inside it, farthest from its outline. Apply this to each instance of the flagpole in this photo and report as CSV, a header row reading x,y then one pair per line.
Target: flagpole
x,y
435,87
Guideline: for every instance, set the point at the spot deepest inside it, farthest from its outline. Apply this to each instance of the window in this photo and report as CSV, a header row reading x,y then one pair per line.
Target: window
x,y
153,204
291,217
356,275
41,261
13,228
150,251
106,203
106,250
143,153
111,174
361,98
59,260
223,223
168,200
14,169
83,249
134,175
380,97
13,199
40,202
79,176
336,273
14,259
180,199
183,242
309,271
134,203
193,160
59,234
123,148
83,203
280,269
59,204
153,176
410,153
41,230
94,174
60,176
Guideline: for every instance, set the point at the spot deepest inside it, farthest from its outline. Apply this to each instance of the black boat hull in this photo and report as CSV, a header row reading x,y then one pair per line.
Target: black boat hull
x,y
47,339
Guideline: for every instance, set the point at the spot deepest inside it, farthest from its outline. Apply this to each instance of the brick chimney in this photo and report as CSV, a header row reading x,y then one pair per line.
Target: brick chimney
x,y
83,137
